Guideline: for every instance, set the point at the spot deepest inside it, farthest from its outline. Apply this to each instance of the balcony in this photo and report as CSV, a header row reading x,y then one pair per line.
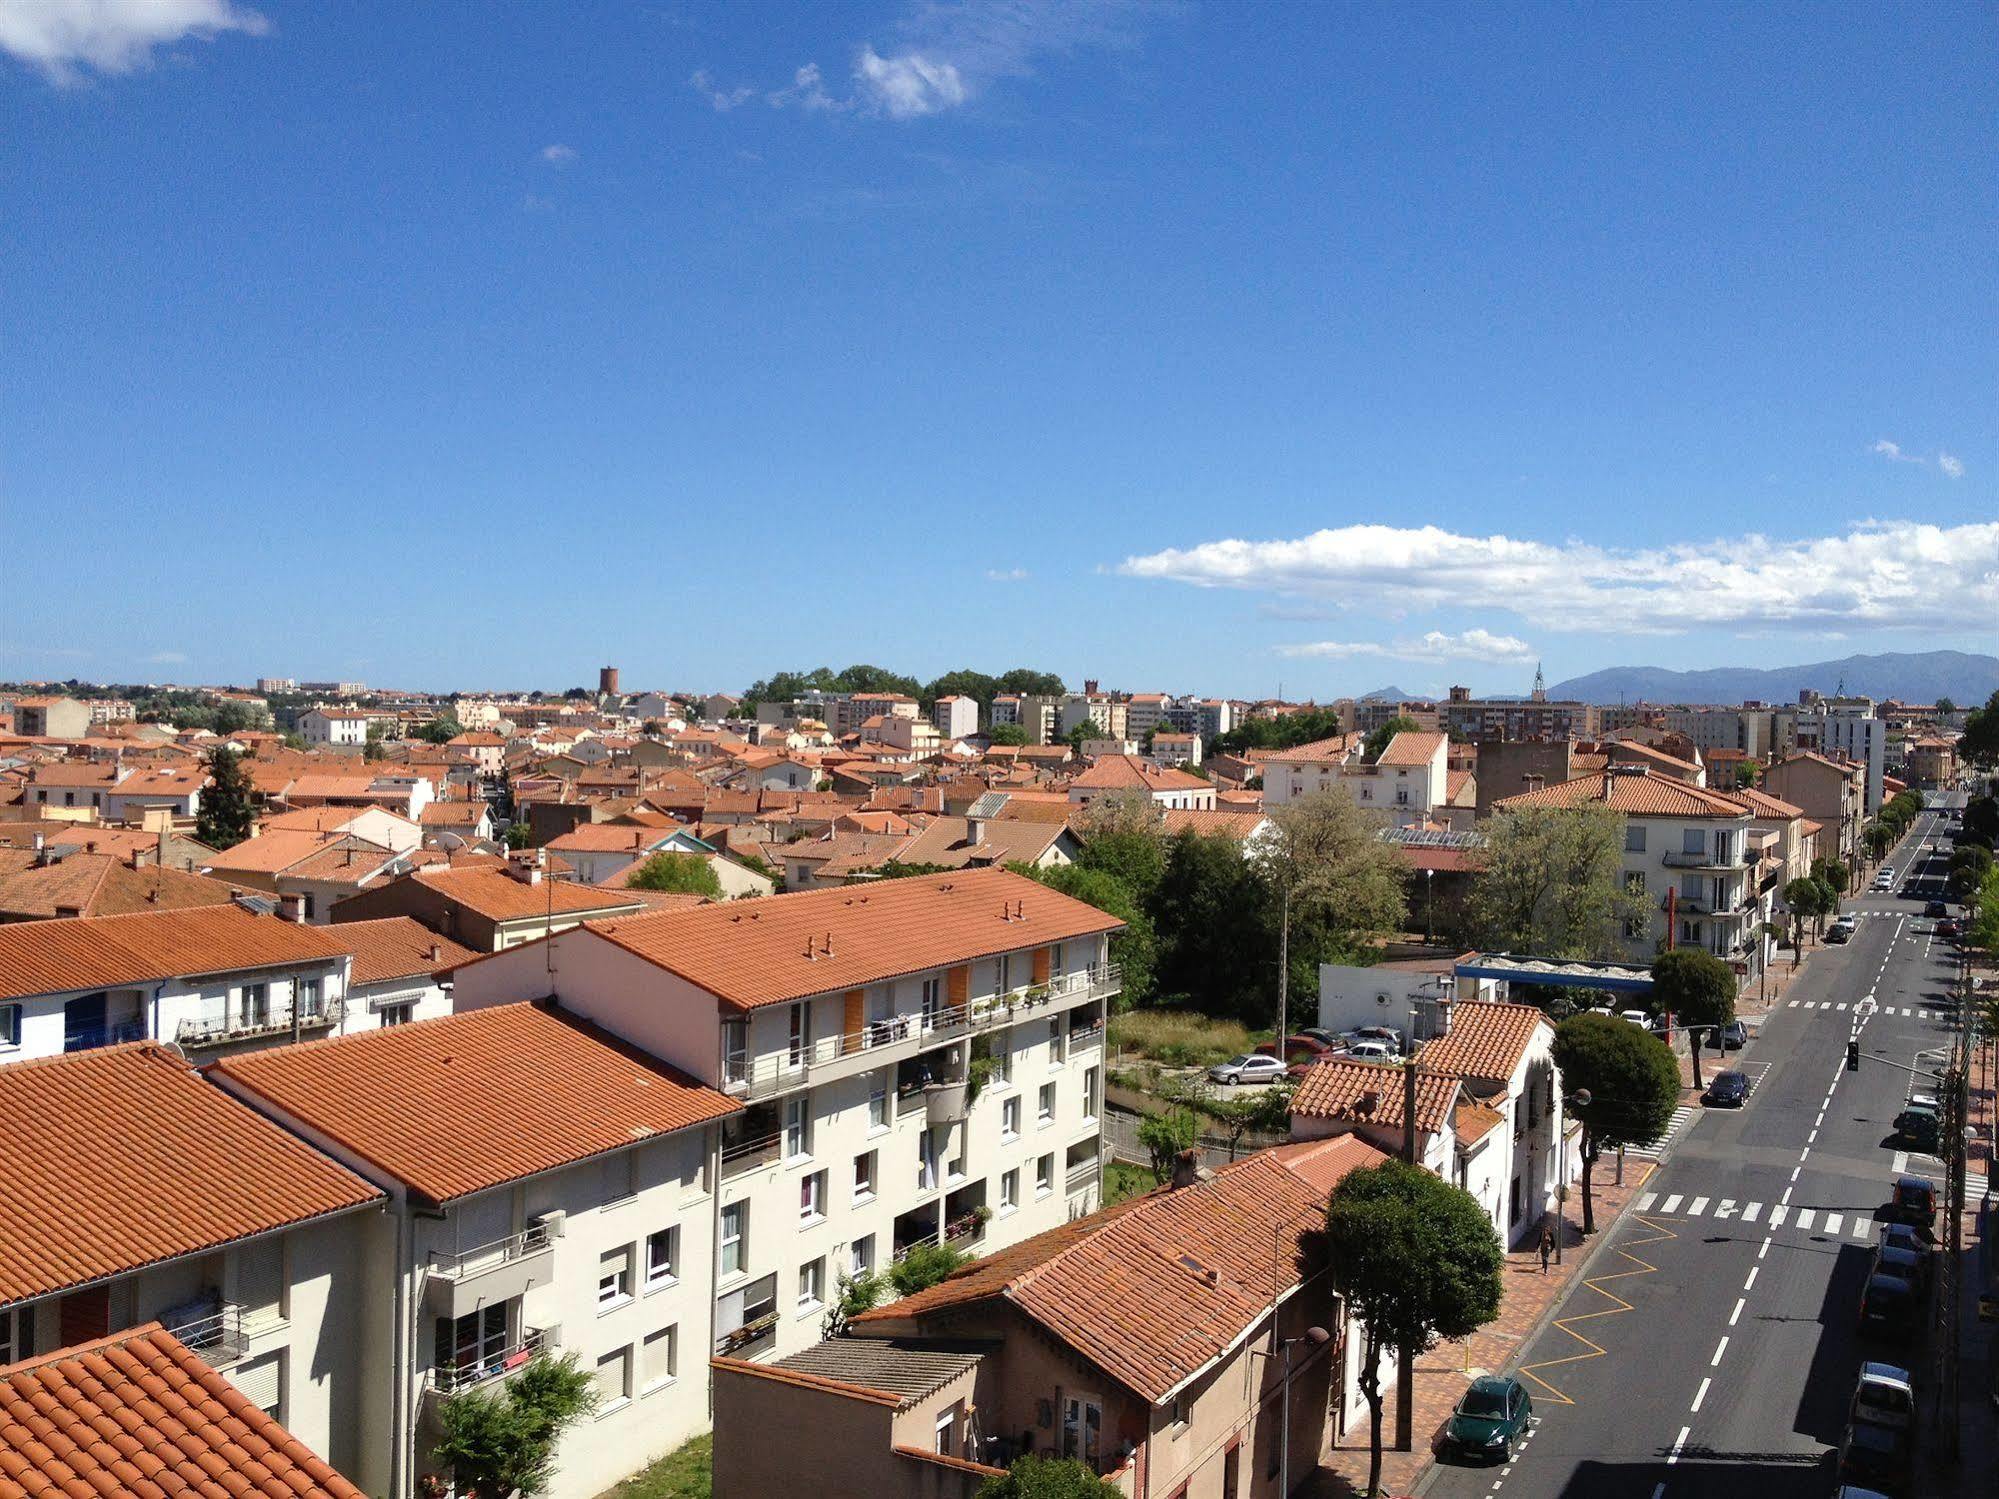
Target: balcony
x,y
276,1020
459,1282
110,1033
741,1156
1082,1175
903,1036
467,1374
215,1334
1705,859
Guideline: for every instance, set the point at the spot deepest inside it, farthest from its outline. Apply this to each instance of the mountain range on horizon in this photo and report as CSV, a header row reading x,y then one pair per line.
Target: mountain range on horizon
x,y
1913,677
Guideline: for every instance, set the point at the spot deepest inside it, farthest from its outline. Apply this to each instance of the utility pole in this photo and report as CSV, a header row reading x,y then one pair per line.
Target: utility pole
x,y
1284,974
1405,1369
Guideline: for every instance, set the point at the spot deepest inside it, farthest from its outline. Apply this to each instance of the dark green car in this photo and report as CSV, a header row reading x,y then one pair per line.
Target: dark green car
x,y
1490,1420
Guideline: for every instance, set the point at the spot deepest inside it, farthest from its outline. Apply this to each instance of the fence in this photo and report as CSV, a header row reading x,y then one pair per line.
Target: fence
x,y
1121,1140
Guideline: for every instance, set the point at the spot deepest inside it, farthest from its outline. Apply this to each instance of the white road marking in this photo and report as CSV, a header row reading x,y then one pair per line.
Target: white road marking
x,y
1751,1213
1725,1208
1805,1217
1862,1227
1672,1203
1697,1207
1900,1162
1832,1223
1764,1250
1645,1202
1700,1395
1678,1442
1777,1216
1750,1284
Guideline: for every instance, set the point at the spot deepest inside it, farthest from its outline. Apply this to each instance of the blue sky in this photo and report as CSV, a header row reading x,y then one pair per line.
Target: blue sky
x,y
1189,347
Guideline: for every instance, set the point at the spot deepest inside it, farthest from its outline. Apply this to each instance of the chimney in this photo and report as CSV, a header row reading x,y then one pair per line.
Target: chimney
x,y
436,952
160,848
291,908
1187,1170
975,830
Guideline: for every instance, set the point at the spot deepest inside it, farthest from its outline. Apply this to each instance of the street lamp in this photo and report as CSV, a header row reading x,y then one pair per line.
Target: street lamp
x,y
1429,907
1318,1337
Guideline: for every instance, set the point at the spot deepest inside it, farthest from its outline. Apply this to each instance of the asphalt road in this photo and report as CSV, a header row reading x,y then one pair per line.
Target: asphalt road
x,y
1742,1261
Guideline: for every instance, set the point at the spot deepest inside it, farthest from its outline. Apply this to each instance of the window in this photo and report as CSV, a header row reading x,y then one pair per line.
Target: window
x,y
1005,967
864,1176
861,1256
1693,840
614,1380
811,1285
1634,838
1057,1041
1010,1190
933,1002
797,1128
947,1428
1090,1093
878,1101
614,1277
1044,1175
468,1345
398,1014
17,1334
659,1359
735,1237
926,1161
812,1197
256,1005
1002,1054
801,1033
308,995
1010,1119
1044,1108
10,1025
735,1051
621,1177
663,1257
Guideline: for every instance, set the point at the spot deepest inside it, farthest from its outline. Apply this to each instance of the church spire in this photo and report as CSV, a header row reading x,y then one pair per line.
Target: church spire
x,y
1540,684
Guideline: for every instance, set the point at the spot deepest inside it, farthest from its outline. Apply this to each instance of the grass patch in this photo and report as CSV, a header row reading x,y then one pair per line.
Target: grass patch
x,y
1122,1180
687,1472
1178,1038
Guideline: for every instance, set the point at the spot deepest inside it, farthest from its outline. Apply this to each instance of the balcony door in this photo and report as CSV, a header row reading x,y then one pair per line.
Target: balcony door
x,y
1083,1429
83,1022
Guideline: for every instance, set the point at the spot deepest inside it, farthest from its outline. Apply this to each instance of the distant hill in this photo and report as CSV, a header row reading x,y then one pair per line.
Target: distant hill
x,y
1391,695
1914,677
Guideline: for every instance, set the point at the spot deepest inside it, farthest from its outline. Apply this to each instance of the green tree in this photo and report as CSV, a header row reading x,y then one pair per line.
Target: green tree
x,y
1033,1477
1981,821
1376,742
856,1294
1263,1111
1087,729
1698,990
1215,943
682,874
1550,882
1120,835
1324,862
923,1267
1880,838
1804,897
1007,734
1414,1259
1135,949
1024,681
964,683
1165,1136
1302,727
1969,865
438,731
228,805
502,1443
1945,705
1835,874
1632,1081
519,835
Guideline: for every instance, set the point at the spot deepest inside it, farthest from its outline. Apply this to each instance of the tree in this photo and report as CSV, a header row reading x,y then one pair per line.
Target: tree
x,y
1632,1081
1024,681
439,731
1414,1259
1087,729
857,1294
1969,865
1945,705
1007,733
1033,1477
1835,874
1135,949
1550,881
1981,820
1165,1136
1302,727
1120,835
923,1267
1803,897
1325,860
683,874
1880,838
1376,742
1698,989
519,835
503,1443
1216,946
228,802
1264,1111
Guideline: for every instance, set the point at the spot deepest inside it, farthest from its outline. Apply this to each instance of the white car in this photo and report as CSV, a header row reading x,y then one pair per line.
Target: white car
x,y
1371,1051
1638,1018
1254,1068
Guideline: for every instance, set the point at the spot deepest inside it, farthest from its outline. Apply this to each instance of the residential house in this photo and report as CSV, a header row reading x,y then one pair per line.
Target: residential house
x,y
921,1061
549,1188
467,821
405,795
400,972
485,907
1408,783
376,824
1170,748
334,726
1127,775
138,1194
51,717
1304,768
1831,792
599,851
81,884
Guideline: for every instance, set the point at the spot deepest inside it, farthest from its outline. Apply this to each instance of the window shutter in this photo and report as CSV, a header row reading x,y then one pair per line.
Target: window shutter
x,y
260,1278
260,1381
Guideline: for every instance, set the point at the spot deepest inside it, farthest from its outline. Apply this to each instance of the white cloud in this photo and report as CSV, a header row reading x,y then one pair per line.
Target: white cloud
x,y
558,155
909,84
1953,467
1892,451
807,90
1434,645
1949,466
720,99
1006,574
1884,575
64,38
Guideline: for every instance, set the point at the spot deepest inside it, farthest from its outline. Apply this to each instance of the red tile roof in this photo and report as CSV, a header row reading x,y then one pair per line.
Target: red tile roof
x,y
1412,747
396,947
98,952
123,1157
1486,1040
101,885
768,951
1334,1089
496,895
1128,772
1636,793
1333,751
472,1100
141,1414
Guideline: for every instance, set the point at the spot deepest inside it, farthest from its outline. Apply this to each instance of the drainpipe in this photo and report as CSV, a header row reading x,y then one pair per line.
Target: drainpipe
x,y
402,1456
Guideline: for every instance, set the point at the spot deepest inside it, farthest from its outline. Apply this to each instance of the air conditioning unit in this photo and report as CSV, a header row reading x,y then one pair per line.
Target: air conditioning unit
x,y
550,1223
1381,998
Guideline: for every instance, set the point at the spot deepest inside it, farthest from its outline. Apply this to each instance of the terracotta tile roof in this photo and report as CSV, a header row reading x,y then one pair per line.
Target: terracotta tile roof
x,y
472,1100
99,952
102,885
1472,1121
1635,750
454,814
496,895
1218,822
273,851
1334,751
351,861
318,820
1412,747
139,1413
1486,1040
1765,805
1643,793
752,953
1128,772
396,947
1331,1089
1154,1289
122,1157
612,837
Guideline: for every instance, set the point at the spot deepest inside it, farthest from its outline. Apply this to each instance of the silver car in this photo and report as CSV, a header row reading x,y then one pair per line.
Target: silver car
x,y
1253,1068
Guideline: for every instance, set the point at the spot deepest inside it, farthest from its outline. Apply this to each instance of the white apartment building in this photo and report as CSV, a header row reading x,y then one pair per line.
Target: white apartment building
x,y
1104,710
1304,768
1692,853
114,1220
1846,729
1408,784
955,716
920,1061
1037,713
1145,713
547,1189
333,726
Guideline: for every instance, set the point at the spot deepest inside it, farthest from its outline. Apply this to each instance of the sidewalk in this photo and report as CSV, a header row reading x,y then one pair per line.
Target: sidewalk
x,y
1526,1299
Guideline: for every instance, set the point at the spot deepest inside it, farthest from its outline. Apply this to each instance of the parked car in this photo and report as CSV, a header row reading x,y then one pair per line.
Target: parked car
x,y
1901,1236
1326,1038
1734,1036
1885,1395
1911,1265
1885,880
1255,1068
1874,1454
1889,1308
1490,1419
1726,1090
1841,930
1914,1202
1935,908
1385,1034
1297,1048
1919,1129
1373,1051
1637,1017
1949,928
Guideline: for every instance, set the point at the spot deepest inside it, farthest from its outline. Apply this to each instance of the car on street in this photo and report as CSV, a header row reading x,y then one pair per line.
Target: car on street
x,y
1490,1419
1734,1036
1842,929
1885,1395
1246,1069
1949,928
1875,1454
1373,1051
1332,1040
1890,1308
1901,1236
1638,1018
1911,1265
1297,1048
1914,1202
1919,1129
1726,1090
1935,908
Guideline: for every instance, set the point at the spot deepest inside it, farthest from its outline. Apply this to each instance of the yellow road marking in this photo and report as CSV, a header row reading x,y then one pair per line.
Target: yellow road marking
x,y
1620,1305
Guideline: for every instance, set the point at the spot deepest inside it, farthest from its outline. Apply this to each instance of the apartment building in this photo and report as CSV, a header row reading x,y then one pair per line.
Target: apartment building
x,y
1832,793
1846,729
1304,768
137,1193
334,726
1036,713
1535,717
920,1061
51,717
548,1187
1690,852
1409,783
955,716
1128,775
1104,711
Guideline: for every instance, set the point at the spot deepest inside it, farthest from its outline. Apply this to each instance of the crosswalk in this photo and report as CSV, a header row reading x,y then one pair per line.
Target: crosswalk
x,y
1682,1116
1912,1012
1832,1223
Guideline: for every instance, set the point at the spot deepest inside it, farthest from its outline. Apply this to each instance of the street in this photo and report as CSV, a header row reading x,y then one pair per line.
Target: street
x,y
1713,1348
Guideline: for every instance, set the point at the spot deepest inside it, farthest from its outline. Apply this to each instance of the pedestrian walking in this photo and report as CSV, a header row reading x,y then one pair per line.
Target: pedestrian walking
x,y
1547,1248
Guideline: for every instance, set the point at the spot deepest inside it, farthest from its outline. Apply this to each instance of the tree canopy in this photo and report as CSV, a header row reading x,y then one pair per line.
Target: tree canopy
x,y
1007,733
1698,990
685,874
1303,727
781,686
1377,741
502,1442
1550,881
228,805
437,731
1980,741
1345,882
1632,1080
1135,949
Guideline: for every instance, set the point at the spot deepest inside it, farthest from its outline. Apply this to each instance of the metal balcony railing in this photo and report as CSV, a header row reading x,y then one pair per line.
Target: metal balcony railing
x,y
1705,859
530,1240
449,1379
905,1035
215,1030
111,1033
217,1337
747,1155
